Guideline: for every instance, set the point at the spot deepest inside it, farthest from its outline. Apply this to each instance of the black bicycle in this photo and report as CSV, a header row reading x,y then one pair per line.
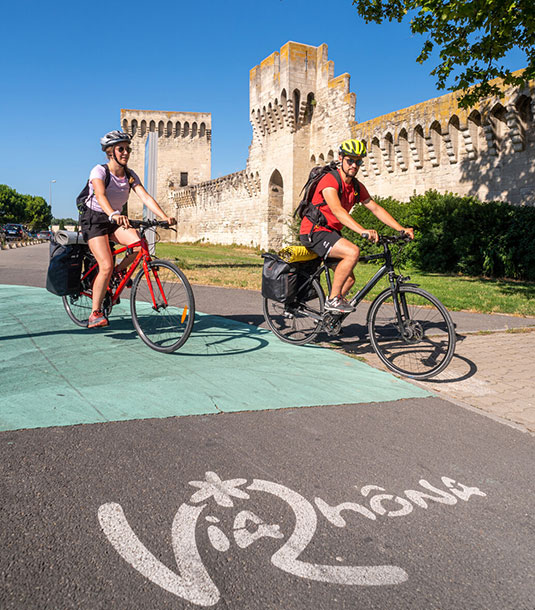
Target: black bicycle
x,y
409,329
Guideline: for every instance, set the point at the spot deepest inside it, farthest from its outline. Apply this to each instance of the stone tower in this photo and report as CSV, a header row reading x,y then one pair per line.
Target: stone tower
x,y
296,106
184,150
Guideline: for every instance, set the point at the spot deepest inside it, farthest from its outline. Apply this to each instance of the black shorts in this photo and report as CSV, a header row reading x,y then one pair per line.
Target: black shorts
x,y
94,224
320,242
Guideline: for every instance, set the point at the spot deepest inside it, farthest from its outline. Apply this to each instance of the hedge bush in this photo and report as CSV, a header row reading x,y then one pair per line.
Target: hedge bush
x,y
457,234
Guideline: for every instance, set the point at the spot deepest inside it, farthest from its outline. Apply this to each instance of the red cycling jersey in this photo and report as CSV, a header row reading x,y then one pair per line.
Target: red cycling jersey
x,y
347,199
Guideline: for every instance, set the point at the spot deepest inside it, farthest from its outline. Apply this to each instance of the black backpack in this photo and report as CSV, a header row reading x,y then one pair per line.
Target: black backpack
x,y
84,193
307,209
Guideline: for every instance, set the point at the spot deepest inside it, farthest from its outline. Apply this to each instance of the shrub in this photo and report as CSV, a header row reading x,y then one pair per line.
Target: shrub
x,y
457,234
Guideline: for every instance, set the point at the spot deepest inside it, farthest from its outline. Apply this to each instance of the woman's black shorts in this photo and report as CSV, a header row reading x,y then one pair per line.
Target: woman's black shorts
x,y
320,242
94,224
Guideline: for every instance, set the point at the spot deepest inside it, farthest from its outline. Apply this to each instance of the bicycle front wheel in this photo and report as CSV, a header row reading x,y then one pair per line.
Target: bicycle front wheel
x,y
162,306
421,342
299,321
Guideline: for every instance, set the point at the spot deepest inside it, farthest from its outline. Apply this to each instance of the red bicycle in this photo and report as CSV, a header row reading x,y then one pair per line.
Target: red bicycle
x,y
161,299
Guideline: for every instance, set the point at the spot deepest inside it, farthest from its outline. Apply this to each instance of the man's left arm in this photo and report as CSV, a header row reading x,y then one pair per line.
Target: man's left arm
x,y
385,217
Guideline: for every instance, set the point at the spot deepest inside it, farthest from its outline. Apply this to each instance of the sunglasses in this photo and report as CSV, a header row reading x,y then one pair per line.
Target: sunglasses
x,y
357,162
124,149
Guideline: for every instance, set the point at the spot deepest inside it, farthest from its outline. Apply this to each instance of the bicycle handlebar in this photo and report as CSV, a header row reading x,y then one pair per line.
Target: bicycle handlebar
x,y
147,224
389,239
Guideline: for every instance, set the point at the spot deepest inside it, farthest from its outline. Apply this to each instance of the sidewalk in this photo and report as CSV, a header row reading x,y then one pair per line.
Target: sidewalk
x,y
491,371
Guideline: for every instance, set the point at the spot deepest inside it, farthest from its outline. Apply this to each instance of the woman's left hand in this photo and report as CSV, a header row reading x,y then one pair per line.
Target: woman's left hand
x,y
170,220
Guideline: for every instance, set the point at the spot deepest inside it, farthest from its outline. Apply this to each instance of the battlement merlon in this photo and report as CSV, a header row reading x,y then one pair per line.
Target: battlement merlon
x,y
296,66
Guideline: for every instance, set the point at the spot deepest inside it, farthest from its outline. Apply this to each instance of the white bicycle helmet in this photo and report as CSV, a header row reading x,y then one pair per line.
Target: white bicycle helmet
x,y
114,137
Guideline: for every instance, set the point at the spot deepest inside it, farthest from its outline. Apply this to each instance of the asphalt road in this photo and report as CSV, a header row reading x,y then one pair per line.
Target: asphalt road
x,y
414,503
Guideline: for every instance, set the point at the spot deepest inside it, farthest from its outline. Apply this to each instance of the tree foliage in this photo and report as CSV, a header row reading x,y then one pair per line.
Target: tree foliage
x,y
471,36
29,210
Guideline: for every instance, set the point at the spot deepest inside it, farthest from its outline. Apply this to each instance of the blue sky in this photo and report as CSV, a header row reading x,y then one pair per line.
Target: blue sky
x,y
67,68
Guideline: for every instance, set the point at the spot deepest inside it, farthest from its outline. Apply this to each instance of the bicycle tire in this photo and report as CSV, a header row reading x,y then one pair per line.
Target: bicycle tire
x,y
428,343
298,322
168,326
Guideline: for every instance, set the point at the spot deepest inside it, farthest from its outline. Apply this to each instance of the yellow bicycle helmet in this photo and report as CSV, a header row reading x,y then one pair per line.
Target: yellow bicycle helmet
x,y
353,147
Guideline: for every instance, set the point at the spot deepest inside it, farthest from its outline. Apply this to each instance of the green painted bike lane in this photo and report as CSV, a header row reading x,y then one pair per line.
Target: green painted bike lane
x,y
53,373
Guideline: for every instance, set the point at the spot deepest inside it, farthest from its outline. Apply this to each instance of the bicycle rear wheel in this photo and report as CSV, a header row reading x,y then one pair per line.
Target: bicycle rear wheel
x,y
301,320
162,306
425,343
80,305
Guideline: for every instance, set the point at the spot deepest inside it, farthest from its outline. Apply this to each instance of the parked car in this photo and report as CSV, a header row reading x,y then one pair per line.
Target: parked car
x,y
44,235
14,231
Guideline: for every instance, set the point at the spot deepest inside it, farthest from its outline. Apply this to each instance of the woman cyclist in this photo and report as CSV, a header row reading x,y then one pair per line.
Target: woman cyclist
x,y
102,218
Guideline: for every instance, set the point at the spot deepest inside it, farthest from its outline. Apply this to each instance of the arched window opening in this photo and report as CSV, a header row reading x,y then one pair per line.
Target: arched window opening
x,y
152,126
313,160
143,127
454,134
125,125
169,131
403,143
419,143
524,112
435,132
202,130
321,158
186,130
194,130
389,149
330,156
275,214
178,130
498,125
297,102
160,129
134,127
474,129
309,110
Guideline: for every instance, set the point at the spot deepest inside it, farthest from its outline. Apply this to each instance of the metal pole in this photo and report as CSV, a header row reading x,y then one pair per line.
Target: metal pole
x,y
151,175
50,197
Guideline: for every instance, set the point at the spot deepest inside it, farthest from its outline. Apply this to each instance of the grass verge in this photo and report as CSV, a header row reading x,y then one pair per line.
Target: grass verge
x,y
241,267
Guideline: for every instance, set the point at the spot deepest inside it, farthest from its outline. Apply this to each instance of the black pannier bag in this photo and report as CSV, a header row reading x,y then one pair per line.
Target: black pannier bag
x,y
278,278
64,269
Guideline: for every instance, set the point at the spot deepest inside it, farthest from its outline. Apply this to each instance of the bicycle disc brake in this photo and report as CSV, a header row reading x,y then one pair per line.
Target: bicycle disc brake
x,y
412,331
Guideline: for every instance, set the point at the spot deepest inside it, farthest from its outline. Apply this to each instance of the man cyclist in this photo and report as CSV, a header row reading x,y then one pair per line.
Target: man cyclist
x,y
334,200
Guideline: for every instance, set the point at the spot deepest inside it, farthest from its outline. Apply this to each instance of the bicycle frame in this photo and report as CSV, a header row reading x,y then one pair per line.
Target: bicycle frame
x,y
386,269
142,257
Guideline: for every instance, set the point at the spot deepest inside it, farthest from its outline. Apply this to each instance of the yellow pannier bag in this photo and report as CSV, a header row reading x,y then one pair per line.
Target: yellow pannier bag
x,y
297,254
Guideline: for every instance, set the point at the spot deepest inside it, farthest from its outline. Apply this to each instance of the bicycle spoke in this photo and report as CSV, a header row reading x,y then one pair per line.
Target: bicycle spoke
x,y
162,306
298,322
423,344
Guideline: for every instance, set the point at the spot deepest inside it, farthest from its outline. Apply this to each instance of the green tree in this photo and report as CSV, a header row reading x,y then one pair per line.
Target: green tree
x,y
38,213
11,205
471,36
61,224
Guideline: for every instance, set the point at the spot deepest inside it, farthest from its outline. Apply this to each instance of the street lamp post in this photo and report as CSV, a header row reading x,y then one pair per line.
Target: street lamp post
x,y
50,193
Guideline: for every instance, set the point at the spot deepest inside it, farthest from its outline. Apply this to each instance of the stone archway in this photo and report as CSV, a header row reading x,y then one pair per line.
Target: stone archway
x,y
275,217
